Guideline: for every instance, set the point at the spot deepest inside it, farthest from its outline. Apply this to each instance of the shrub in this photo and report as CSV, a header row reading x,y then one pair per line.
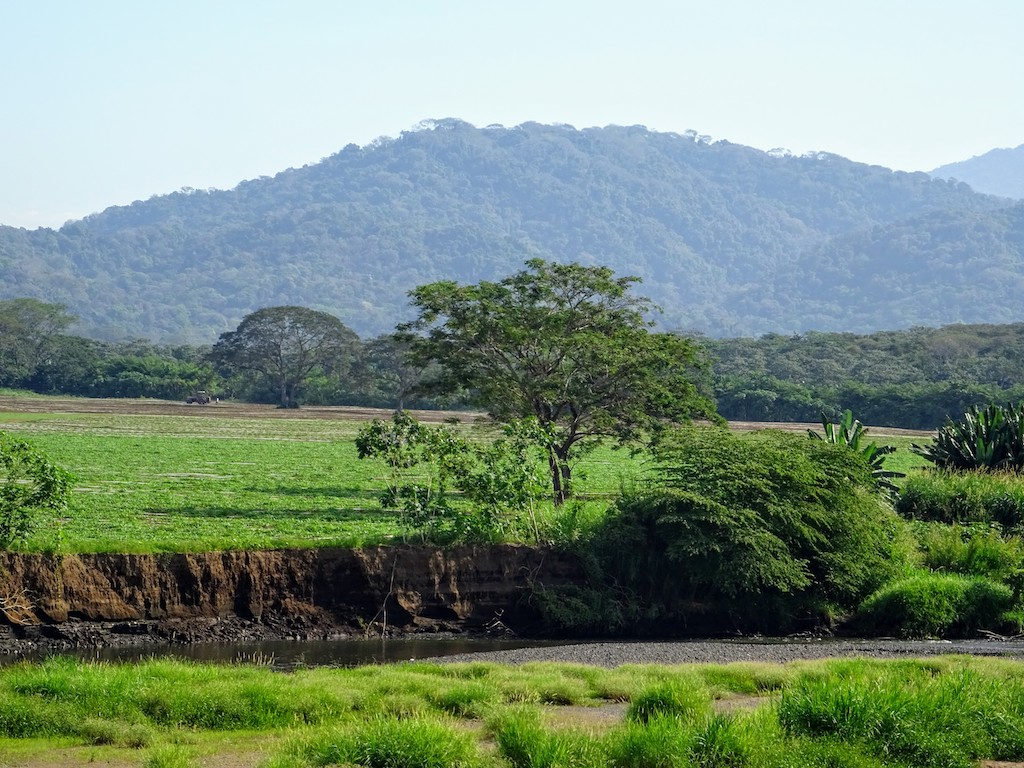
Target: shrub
x,y
767,529
29,485
851,433
934,605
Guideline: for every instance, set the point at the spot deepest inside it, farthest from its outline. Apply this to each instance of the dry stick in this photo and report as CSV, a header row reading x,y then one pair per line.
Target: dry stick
x,y
384,605
17,608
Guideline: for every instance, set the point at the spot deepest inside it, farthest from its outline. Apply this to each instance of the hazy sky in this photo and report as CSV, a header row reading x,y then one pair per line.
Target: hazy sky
x,y
106,102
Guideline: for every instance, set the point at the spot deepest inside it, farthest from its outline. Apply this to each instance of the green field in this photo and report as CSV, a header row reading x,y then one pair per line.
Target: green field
x,y
154,483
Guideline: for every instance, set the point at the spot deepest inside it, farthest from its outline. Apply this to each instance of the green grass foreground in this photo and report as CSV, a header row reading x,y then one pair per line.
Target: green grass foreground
x,y
152,483
943,712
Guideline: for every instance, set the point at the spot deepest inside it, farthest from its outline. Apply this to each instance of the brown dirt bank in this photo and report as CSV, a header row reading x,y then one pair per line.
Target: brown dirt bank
x,y
66,601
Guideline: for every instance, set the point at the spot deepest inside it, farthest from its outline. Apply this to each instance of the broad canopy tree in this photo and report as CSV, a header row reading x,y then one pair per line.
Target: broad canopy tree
x,y
286,345
29,332
566,344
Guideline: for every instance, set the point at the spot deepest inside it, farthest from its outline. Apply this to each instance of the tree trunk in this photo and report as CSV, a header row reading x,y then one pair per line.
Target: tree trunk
x,y
561,476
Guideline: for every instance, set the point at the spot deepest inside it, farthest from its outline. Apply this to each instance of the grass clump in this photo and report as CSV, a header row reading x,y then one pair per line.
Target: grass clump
x,y
964,497
684,699
525,743
417,742
943,722
928,604
170,756
971,550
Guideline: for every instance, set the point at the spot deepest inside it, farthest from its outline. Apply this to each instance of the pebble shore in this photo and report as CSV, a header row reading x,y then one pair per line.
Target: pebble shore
x,y
727,651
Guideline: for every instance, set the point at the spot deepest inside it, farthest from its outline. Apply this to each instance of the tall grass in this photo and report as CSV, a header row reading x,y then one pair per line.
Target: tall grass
x,y
964,497
860,713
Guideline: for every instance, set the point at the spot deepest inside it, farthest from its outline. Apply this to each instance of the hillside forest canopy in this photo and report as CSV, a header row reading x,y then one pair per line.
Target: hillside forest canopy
x,y
730,241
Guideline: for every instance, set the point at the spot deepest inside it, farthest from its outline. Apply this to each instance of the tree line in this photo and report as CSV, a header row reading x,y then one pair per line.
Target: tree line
x,y
39,355
915,378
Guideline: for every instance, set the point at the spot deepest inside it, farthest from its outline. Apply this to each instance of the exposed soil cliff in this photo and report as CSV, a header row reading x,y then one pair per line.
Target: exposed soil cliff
x,y
67,600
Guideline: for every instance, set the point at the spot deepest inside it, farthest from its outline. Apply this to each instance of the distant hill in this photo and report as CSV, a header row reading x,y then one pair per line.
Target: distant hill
x,y
999,172
728,239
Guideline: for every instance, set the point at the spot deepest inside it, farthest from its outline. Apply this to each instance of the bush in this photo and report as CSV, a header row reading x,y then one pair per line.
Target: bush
x,y
935,605
29,485
764,530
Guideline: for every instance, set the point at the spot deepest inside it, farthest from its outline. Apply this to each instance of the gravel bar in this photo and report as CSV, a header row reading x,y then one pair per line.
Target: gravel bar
x,y
614,654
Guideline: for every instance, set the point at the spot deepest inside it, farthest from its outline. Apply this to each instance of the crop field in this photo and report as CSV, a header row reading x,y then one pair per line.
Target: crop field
x,y
154,476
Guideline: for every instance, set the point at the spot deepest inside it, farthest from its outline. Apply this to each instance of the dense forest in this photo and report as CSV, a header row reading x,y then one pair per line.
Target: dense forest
x,y
729,240
915,378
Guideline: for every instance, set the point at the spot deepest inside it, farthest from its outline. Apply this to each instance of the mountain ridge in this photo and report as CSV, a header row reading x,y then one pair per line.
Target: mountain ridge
x,y
726,238
996,172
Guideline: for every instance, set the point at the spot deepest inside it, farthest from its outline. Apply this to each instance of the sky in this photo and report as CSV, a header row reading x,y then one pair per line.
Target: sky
x,y
111,101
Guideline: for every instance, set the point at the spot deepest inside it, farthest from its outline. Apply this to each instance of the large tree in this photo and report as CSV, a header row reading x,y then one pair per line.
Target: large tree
x,y
569,345
29,330
286,345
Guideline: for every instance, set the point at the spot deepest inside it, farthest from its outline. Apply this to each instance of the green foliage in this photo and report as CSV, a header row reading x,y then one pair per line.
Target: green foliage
x,y
858,713
964,497
851,433
171,756
566,345
30,486
683,699
500,480
990,438
949,720
758,532
657,743
416,742
730,239
285,345
930,604
525,743
756,516
972,550
29,330
915,378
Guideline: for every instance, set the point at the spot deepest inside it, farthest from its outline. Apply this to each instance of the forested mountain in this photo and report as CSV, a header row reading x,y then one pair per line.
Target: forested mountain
x,y
999,172
728,239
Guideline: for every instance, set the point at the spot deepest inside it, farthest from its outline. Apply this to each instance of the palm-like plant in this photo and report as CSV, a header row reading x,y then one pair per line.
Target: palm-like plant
x,y
851,433
990,438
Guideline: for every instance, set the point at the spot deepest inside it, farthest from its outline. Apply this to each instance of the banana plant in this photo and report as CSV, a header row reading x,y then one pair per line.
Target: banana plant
x,y
851,433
